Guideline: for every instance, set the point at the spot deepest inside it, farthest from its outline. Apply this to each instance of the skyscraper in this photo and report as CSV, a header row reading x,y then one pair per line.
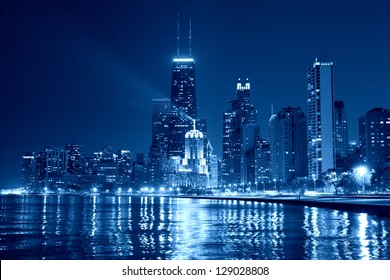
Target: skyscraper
x,y
28,171
140,170
173,119
320,118
193,173
229,132
106,167
374,136
154,164
273,147
240,131
124,166
341,128
160,125
75,159
183,104
194,159
288,151
262,161
212,166
51,165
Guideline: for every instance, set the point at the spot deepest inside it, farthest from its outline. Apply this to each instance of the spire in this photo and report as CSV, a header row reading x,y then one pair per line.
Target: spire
x,y
178,35
209,147
189,39
194,124
272,108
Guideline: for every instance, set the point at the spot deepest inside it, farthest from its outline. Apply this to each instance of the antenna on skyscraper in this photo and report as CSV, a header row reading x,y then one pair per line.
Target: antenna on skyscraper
x,y
272,108
178,35
189,39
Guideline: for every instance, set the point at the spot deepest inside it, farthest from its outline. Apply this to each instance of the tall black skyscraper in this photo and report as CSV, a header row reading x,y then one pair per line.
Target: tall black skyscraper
x,y
183,99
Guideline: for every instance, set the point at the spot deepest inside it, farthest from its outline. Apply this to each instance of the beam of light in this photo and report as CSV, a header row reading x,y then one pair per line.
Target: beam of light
x,y
127,81
182,114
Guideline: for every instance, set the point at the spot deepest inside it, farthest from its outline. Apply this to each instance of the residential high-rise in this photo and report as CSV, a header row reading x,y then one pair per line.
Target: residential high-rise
x,y
124,160
29,171
212,166
106,167
262,161
75,159
374,136
56,162
288,145
273,147
154,164
229,131
240,131
124,166
51,165
140,170
183,104
160,125
249,134
341,129
320,119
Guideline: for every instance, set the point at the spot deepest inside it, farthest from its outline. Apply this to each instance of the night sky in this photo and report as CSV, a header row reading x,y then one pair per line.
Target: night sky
x,y
86,72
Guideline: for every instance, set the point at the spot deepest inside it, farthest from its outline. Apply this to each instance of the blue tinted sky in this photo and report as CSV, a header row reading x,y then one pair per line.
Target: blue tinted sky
x,y
87,71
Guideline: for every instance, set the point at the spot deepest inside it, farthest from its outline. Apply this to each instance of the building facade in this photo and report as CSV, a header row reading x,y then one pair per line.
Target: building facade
x,y
289,150
29,171
320,119
160,125
183,104
262,163
273,147
240,131
374,136
192,175
75,159
341,129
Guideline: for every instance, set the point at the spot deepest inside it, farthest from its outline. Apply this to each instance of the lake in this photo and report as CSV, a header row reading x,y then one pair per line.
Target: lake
x,y
69,227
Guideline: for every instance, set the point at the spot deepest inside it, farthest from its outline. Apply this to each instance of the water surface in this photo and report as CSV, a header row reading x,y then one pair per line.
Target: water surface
x,y
122,227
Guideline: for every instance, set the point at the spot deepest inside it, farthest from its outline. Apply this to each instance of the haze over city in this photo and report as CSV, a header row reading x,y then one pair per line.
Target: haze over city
x,y
87,72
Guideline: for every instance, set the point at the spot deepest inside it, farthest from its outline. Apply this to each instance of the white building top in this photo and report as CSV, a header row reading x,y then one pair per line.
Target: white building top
x,y
194,134
242,86
183,60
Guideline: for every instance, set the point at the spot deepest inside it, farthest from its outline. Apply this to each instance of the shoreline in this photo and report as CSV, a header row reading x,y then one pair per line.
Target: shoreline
x,y
362,204
374,204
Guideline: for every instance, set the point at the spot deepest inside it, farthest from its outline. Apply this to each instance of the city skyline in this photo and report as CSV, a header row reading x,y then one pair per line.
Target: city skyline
x,y
73,76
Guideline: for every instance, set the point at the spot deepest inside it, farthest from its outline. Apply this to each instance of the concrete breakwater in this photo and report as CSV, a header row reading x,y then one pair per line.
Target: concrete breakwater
x,y
369,204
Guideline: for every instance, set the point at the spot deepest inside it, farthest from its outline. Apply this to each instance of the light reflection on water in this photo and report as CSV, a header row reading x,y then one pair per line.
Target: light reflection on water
x,y
121,227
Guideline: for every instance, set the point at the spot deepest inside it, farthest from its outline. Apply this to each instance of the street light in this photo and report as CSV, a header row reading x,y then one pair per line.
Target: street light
x,y
362,171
